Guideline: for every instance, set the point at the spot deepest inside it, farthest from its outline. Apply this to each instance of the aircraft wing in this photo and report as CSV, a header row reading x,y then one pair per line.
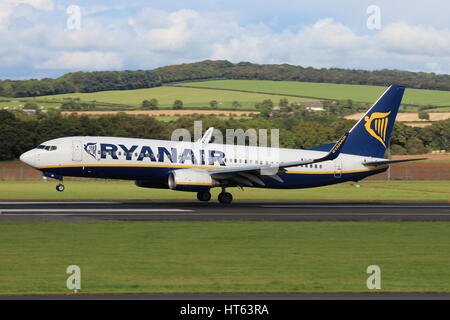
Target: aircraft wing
x,y
251,174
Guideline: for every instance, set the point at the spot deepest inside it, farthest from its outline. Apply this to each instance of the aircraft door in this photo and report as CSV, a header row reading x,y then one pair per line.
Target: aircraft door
x,y
337,168
76,150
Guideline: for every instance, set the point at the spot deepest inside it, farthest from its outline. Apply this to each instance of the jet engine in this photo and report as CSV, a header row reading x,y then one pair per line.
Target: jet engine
x,y
191,180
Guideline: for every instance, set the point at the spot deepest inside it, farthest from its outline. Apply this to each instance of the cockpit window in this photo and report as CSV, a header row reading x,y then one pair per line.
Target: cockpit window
x,y
48,148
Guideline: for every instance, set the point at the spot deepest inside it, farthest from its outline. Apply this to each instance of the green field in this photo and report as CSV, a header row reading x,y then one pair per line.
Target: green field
x,y
192,98
126,190
327,90
224,256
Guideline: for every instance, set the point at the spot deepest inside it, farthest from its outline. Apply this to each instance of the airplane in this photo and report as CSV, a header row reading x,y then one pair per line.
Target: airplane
x,y
200,166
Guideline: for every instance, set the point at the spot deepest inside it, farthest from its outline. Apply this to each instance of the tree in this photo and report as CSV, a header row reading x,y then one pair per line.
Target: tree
x,y
284,103
150,105
177,105
145,104
154,104
31,106
214,104
265,108
267,104
236,105
424,115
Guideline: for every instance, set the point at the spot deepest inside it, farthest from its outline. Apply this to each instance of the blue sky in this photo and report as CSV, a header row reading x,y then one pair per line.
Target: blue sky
x,y
135,34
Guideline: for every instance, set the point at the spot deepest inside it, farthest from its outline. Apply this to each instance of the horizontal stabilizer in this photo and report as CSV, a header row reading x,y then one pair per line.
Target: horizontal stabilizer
x,y
381,162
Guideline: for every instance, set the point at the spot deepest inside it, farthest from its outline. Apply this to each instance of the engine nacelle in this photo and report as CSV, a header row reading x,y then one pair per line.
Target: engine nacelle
x,y
191,180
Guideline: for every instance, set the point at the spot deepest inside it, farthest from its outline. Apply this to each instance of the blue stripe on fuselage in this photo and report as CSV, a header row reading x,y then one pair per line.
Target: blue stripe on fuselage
x,y
160,174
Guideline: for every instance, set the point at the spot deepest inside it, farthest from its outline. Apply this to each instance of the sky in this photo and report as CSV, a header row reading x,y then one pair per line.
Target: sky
x,y
48,38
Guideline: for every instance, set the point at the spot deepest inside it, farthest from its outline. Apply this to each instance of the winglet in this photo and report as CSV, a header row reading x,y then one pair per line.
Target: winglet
x,y
336,150
207,136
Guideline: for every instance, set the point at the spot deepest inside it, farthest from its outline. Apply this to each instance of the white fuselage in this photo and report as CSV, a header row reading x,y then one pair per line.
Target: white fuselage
x,y
145,159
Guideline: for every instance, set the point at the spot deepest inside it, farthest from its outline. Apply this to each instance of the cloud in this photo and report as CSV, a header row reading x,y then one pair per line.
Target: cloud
x,y
317,44
91,60
5,13
35,40
40,4
172,31
330,34
406,39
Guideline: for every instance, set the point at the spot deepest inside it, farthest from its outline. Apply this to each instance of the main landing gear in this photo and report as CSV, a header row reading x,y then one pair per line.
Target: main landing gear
x,y
204,196
224,197
60,187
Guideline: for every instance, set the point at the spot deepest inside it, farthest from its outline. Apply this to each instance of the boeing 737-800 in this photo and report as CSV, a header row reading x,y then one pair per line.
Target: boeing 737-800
x,y
200,166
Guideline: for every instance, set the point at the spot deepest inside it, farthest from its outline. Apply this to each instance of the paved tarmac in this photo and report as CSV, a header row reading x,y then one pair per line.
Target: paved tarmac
x,y
249,211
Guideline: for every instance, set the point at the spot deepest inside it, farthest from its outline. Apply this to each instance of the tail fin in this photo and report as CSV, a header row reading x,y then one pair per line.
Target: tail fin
x,y
370,135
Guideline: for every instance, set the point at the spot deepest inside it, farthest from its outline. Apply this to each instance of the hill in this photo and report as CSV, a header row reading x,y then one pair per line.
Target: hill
x,y
124,80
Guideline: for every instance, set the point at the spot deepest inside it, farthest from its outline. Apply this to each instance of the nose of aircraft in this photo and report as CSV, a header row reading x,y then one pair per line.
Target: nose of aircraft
x,y
29,158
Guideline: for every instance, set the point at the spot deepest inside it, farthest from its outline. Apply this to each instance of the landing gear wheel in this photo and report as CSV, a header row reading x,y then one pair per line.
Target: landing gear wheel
x,y
204,196
225,197
60,187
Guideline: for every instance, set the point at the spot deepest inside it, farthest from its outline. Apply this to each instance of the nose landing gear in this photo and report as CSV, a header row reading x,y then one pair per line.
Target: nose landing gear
x,y
60,187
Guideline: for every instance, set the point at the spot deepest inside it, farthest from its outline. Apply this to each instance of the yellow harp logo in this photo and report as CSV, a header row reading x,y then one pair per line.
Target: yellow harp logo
x,y
376,125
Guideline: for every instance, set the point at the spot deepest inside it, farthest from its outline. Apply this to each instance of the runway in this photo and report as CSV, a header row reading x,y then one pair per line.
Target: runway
x,y
247,211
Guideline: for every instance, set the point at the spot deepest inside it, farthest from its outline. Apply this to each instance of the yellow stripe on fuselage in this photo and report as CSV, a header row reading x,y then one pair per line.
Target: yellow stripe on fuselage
x,y
193,184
